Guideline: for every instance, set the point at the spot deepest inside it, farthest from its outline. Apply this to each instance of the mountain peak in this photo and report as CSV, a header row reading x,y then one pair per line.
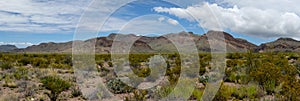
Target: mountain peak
x,y
286,39
219,32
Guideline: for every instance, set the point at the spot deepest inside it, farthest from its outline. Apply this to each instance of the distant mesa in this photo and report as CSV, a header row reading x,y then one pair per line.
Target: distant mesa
x,y
146,44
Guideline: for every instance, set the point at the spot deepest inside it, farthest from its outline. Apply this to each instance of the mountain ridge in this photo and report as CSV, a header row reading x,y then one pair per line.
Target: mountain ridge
x,y
145,44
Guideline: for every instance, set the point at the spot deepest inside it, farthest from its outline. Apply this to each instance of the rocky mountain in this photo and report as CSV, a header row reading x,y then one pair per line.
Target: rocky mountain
x,y
164,44
232,44
7,48
280,45
47,47
103,45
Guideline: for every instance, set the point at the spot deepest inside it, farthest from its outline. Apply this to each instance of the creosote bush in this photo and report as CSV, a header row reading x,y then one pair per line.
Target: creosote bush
x,y
56,85
6,66
117,86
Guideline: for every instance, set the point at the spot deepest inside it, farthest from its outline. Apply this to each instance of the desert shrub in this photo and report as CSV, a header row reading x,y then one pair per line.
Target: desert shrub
x,y
224,93
60,66
117,86
24,61
203,79
75,91
291,92
202,70
243,78
197,94
21,73
270,86
248,92
110,64
40,62
10,84
203,64
67,60
267,75
9,81
6,66
103,71
100,63
163,91
142,72
234,56
293,56
173,74
56,85
27,88
138,95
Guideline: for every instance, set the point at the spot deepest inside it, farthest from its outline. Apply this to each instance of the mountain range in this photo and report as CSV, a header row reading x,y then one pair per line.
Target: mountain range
x,y
163,44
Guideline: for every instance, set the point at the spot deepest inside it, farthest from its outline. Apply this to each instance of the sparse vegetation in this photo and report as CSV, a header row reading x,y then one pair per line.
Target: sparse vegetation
x,y
248,76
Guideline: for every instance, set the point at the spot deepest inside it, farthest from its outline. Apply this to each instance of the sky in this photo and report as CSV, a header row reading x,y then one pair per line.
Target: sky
x,y
29,22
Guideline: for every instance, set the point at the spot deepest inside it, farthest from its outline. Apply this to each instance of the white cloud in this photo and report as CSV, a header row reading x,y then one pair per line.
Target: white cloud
x,y
40,15
52,16
173,22
257,20
278,5
18,44
149,24
174,11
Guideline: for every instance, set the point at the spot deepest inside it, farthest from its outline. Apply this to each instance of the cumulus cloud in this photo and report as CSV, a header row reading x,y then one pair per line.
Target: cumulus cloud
x,y
278,5
251,20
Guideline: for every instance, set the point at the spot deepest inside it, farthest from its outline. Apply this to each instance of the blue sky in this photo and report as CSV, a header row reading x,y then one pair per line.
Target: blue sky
x,y
28,22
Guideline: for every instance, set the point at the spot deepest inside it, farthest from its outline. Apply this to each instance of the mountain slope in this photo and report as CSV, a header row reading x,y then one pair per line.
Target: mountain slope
x,y
280,45
232,44
7,48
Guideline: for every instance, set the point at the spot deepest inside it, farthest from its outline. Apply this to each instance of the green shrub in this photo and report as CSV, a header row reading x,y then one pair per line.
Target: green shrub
x,y
117,86
56,85
24,61
267,75
232,77
163,91
248,91
198,94
142,72
40,62
138,95
21,73
224,93
203,79
9,81
6,66
60,66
